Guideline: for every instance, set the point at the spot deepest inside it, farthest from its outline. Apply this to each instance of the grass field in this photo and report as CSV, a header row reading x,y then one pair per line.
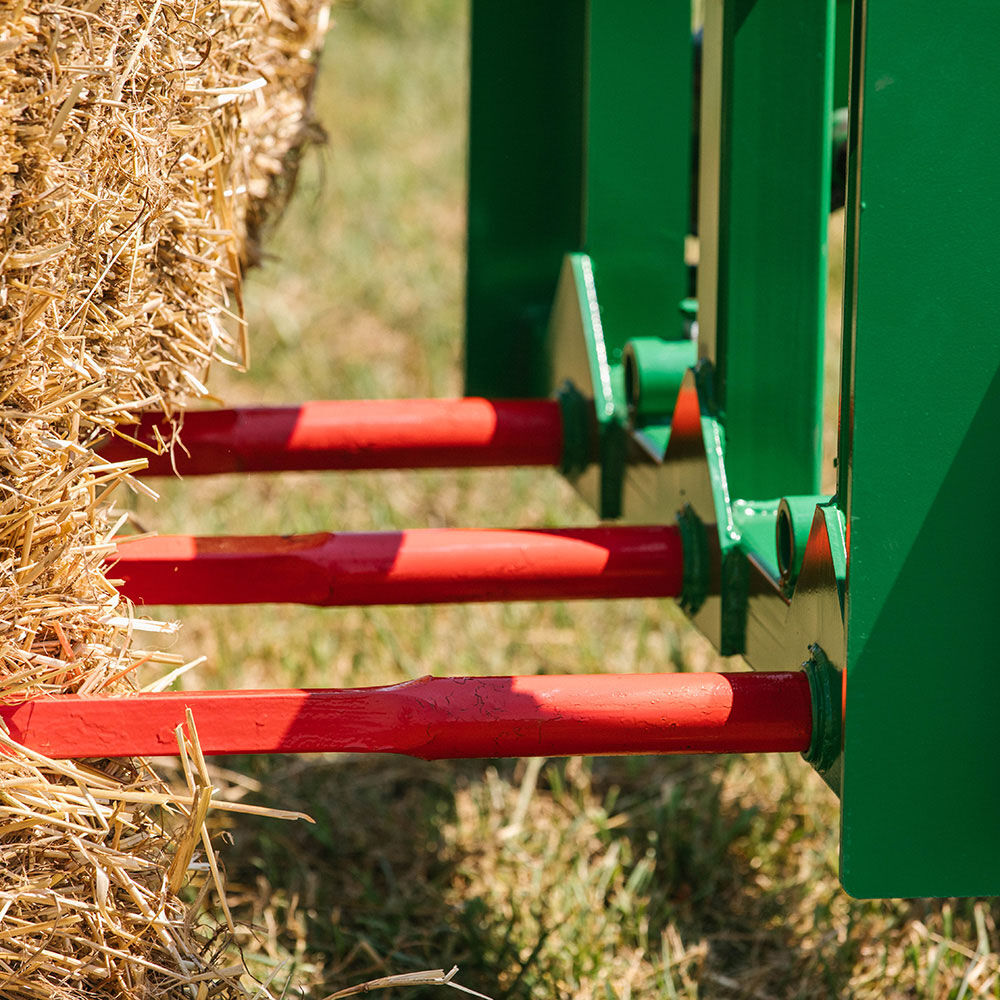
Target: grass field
x,y
608,878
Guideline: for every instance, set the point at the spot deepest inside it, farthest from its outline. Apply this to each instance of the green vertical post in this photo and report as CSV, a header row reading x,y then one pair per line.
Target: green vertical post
x,y
842,58
767,89
921,809
851,215
637,200
525,184
638,165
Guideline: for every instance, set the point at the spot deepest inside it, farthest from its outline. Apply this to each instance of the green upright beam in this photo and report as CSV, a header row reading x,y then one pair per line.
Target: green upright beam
x,y
767,90
525,184
921,809
638,165
637,201
580,122
842,61
631,278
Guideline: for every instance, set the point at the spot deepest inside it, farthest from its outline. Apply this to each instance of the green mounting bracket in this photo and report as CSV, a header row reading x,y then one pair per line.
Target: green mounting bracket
x,y
826,684
792,528
767,96
580,355
654,370
755,522
579,430
609,334
697,561
579,180
579,197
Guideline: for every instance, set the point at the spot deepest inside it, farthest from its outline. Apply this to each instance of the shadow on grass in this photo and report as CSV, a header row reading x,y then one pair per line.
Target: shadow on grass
x,y
645,859
354,896
727,875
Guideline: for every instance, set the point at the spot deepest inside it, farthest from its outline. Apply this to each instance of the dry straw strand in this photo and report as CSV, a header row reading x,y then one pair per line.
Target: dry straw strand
x,y
139,145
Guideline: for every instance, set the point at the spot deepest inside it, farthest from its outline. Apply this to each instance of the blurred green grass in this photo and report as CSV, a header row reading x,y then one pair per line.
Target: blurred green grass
x,y
609,878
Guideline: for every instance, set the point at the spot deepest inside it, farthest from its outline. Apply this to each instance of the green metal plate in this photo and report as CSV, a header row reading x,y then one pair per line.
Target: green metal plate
x,y
638,165
580,124
921,771
767,79
526,123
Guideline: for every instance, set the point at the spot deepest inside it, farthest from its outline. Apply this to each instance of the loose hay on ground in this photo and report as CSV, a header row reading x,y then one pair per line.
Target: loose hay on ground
x,y
140,145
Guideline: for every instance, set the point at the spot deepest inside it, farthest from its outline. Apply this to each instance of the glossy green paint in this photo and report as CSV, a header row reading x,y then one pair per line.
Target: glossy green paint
x,y
825,691
921,811
743,530
845,414
734,568
526,128
579,353
767,91
774,80
794,523
632,278
842,58
579,430
697,581
638,165
654,370
755,524
579,140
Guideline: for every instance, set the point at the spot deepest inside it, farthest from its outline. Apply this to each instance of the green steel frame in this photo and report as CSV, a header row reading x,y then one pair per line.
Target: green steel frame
x,y
525,185
921,768
580,193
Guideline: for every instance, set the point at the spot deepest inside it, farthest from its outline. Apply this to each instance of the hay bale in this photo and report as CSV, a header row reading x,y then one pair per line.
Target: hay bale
x,y
139,144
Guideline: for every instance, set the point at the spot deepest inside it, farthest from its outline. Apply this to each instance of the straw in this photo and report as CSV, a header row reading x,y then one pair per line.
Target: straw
x,y
142,147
